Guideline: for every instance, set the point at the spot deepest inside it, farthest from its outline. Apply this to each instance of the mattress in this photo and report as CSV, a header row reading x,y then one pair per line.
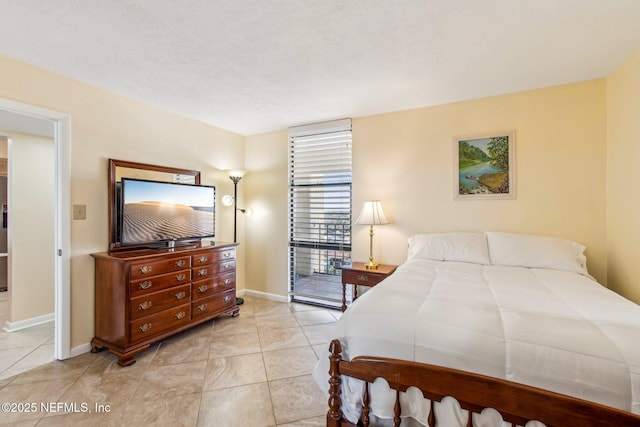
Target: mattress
x,y
553,329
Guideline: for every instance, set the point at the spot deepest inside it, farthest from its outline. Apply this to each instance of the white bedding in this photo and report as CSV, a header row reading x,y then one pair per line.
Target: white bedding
x,y
552,329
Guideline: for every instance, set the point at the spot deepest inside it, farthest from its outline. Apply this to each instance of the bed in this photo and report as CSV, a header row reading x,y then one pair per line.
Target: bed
x,y
507,310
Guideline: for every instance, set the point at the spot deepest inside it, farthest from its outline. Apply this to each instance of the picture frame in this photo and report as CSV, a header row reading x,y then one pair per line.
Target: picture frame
x,y
484,166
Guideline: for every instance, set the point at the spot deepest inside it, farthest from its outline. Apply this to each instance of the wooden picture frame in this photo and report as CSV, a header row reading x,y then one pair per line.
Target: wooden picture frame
x,y
484,166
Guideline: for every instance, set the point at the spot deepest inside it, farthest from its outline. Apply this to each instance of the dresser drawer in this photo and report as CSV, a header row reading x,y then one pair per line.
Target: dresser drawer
x,y
206,271
212,256
224,267
152,268
158,301
202,272
214,305
157,283
203,259
208,287
155,324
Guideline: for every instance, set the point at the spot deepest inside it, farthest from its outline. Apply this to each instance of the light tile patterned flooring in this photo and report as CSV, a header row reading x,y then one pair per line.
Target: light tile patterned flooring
x,y
23,350
253,370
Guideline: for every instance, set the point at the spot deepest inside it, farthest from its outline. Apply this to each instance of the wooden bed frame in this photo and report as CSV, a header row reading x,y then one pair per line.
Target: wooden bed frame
x,y
517,403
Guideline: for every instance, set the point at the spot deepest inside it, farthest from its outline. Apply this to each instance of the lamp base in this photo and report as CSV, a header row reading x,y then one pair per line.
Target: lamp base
x,y
371,265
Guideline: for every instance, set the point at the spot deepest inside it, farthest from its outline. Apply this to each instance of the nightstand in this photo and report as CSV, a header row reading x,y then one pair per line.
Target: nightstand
x,y
358,275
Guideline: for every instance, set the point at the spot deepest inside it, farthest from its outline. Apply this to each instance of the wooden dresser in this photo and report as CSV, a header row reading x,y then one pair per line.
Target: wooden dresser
x,y
145,296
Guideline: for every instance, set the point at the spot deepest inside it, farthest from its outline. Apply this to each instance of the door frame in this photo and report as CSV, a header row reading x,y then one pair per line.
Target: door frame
x,y
62,220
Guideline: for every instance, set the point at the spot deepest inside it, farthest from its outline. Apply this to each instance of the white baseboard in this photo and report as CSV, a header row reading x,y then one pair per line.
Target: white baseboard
x,y
27,323
81,349
265,295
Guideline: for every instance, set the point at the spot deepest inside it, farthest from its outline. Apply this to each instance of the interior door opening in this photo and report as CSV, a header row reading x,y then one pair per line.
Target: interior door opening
x,y
27,119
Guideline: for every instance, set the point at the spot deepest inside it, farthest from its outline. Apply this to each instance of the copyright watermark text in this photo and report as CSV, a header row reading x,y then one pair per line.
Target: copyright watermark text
x,y
54,407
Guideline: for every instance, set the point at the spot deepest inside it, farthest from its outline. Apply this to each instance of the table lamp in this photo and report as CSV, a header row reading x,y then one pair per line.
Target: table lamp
x,y
371,214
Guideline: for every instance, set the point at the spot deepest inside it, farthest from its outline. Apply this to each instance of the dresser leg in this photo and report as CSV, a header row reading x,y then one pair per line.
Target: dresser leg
x,y
126,360
95,348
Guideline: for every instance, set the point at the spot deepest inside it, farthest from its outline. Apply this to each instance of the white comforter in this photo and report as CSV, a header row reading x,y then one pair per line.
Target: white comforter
x,y
551,329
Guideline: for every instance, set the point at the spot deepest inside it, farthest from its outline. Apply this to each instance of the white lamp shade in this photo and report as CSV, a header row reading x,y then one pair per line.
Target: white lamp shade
x,y
372,214
227,200
236,173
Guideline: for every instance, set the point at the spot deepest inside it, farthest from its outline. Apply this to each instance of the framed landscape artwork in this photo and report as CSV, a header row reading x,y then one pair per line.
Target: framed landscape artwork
x,y
484,166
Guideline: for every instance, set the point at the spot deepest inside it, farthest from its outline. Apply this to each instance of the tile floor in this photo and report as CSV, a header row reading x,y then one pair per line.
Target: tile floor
x,y
23,350
253,370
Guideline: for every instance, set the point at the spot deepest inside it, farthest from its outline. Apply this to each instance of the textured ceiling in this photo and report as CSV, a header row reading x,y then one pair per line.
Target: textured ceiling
x,y
251,66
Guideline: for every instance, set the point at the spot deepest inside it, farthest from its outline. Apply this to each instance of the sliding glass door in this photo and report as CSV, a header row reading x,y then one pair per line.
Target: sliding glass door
x,y
319,211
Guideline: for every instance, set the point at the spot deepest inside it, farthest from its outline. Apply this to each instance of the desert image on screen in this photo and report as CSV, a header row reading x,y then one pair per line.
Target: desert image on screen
x,y
152,221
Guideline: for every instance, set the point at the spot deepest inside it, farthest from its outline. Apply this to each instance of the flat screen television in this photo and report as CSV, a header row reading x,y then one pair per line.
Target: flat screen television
x,y
163,213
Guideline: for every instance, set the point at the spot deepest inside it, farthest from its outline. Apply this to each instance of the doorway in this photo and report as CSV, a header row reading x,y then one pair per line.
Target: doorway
x,y
16,114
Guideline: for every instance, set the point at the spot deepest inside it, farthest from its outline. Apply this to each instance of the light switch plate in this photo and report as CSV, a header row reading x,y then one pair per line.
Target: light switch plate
x,y
79,211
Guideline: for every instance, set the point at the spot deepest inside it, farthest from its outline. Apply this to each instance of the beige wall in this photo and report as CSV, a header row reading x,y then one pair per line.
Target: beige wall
x,y
31,226
623,152
405,160
266,193
105,125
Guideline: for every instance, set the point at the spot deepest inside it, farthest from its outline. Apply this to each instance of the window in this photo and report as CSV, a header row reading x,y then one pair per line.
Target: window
x,y
319,210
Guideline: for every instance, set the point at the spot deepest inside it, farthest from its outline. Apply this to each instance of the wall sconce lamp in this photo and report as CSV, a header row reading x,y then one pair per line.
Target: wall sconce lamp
x,y
227,200
372,214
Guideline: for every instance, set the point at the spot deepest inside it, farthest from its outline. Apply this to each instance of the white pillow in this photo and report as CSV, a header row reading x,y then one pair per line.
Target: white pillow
x,y
463,247
523,250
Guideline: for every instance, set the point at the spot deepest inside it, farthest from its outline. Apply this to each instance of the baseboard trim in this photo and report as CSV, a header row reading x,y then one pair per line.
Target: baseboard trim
x,y
27,323
81,349
265,295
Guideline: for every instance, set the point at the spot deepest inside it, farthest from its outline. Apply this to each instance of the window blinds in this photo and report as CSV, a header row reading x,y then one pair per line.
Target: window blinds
x,y
320,185
319,210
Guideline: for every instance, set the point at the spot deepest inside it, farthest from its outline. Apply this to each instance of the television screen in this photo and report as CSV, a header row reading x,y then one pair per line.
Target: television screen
x,y
154,211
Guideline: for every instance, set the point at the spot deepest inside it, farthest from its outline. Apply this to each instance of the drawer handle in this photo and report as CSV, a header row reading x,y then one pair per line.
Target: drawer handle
x,y
181,295
203,259
227,254
227,266
145,305
227,281
202,307
203,288
180,315
202,272
362,278
145,285
227,298
180,263
146,327
145,269
180,277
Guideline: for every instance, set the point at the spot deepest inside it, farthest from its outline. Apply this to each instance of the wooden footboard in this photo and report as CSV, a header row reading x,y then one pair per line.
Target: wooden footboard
x,y
516,403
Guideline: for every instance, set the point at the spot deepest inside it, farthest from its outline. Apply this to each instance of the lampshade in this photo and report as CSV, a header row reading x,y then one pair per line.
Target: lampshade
x,y
372,214
227,200
236,173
